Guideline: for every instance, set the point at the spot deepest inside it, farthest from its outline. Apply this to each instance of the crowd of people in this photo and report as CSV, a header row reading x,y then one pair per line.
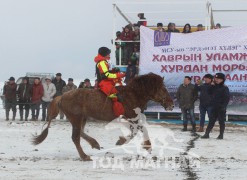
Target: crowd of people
x,y
127,42
30,97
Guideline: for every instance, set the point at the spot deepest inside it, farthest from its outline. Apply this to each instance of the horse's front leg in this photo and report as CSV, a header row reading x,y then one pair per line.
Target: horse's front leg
x,y
126,139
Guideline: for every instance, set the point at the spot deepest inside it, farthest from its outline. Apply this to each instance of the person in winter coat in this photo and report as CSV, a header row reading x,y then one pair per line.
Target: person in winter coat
x,y
220,99
142,20
49,93
59,83
70,86
186,96
205,99
127,35
130,72
24,93
37,93
9,91
106,79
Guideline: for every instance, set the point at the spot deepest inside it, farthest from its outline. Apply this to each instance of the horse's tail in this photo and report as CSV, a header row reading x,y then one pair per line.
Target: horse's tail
x,y
52,113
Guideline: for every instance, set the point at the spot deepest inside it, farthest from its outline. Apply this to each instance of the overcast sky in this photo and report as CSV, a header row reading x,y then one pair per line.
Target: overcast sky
x,y
64,35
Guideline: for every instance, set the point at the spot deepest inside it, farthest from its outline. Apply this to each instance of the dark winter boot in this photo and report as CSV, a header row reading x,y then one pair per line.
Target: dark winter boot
x,y
26,114
206,135
7,115
194,128
21,115
222,129
185,127
220,136
14,114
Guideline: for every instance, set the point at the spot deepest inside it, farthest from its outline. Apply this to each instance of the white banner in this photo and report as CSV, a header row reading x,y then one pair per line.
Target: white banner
x,y
175,55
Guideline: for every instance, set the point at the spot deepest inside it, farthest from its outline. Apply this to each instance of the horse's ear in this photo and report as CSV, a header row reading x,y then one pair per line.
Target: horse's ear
x,y
163,78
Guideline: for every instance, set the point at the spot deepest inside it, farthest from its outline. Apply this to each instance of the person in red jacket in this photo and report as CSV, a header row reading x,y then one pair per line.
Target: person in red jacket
x,y
106,79
37,93
128,36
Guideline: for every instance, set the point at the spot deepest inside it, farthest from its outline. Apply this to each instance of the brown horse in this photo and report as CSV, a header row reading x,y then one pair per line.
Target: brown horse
x,y
80,104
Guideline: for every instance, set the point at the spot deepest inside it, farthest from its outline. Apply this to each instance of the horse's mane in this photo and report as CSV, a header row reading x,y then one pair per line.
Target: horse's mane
x,y
148,83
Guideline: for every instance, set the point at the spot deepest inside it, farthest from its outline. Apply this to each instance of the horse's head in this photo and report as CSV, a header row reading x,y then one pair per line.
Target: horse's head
x,y
152,86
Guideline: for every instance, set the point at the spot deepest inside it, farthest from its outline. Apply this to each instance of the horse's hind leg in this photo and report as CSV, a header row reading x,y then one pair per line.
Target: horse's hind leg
x,y
89,139
76,139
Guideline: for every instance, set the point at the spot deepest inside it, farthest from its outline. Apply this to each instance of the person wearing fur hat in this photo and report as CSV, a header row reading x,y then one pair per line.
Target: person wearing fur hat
x,y
205,99
106,79
49,93
220,99
9,91
24,93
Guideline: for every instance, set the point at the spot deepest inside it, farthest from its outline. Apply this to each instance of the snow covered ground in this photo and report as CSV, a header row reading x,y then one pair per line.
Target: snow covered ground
x,y
57,158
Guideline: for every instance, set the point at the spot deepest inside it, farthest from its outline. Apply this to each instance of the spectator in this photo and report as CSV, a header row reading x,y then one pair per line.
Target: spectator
x,y
217,26
220,100
186,96
175,29
9,91
171,27
205,99
49,93
130,72
160,27
134,58
70,86
59,83
81,85
24,93
37,93
127,35
187,29
136,36
142,20
96,84
87,84
199,27
119,47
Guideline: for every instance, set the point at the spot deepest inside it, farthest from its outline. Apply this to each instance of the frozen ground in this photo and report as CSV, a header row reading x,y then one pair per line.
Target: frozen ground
x,y
57,158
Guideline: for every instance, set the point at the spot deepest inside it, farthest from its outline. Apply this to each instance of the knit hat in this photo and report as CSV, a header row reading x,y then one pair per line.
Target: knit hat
x,y
209,76
104,51
220,76
58,74
11,79
70,79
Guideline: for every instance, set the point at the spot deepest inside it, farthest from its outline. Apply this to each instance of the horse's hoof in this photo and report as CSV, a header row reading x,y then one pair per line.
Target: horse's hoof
x,y
86,158
147,146
96,146
121,141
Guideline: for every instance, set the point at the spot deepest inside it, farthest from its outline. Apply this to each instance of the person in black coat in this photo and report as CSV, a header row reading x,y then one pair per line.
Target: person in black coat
x,y
205,99
24,93
220,99
59,83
